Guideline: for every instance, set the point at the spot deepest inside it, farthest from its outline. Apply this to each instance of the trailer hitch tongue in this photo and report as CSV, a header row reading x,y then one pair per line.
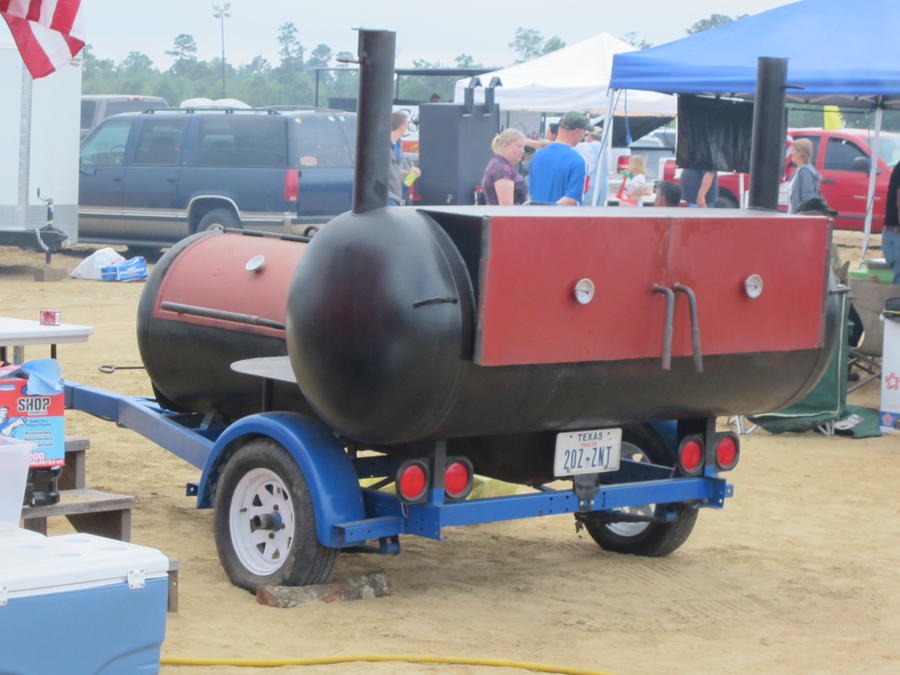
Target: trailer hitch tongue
x,y
267,521
586,487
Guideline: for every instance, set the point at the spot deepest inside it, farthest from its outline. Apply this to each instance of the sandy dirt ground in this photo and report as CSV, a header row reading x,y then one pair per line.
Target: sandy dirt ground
x,y
797,574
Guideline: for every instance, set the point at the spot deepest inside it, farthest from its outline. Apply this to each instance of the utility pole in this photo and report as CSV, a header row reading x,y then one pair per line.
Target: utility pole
x,y
221,12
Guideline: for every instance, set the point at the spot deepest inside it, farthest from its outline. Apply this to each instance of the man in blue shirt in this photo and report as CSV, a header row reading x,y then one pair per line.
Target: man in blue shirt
x,y
557,170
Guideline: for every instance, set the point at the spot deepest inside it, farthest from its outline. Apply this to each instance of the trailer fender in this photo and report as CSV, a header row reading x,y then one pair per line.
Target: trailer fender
x,y
329,473
668,432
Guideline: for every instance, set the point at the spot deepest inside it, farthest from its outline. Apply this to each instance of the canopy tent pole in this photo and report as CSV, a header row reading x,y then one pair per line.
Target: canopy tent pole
x,y
873,170
601,188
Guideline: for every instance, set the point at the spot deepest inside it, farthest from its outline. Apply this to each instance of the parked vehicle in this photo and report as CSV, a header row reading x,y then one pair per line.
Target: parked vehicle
x,y
97,107
149,179
657,148
38,154
841,156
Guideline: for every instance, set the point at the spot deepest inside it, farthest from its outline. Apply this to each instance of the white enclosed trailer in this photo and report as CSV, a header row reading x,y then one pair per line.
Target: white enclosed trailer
x,y
39,136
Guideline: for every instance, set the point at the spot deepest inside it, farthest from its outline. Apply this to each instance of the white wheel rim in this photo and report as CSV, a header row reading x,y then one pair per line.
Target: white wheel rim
x,y
628,529
261,521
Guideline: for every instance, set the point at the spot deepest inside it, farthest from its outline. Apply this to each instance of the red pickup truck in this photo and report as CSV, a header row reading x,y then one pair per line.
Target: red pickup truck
x,y
842,158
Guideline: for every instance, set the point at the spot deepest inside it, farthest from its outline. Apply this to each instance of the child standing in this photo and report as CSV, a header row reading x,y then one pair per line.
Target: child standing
x,y
634,186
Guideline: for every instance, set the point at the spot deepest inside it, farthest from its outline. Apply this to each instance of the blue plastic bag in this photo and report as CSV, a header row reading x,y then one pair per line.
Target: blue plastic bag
x,y
132,269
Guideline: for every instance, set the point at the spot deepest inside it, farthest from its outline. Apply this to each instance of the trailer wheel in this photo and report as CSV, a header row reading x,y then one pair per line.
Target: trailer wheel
x,y
264,521
641,444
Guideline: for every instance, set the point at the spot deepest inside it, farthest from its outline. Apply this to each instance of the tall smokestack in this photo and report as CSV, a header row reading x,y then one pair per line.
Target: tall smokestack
x,y
376,96
769,132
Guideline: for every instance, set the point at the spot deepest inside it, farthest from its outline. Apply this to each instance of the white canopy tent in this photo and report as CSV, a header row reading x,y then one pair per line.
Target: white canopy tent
x,y
572,78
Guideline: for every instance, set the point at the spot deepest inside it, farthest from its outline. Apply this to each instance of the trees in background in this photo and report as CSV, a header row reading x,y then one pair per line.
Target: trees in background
x,y
292,81
529,44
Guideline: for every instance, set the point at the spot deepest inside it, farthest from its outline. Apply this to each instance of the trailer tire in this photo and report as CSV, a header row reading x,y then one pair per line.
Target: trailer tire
x,y
265,524
647,539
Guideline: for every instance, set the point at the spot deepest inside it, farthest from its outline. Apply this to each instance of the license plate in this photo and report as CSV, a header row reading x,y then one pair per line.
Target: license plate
x,y
589,451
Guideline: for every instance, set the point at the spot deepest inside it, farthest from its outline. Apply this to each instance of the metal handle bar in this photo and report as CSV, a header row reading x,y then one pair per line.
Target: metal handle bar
x,y
695,325
107,368
667,331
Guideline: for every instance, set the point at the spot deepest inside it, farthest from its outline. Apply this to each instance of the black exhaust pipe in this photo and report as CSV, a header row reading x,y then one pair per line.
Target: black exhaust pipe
x,y
769,132
376,97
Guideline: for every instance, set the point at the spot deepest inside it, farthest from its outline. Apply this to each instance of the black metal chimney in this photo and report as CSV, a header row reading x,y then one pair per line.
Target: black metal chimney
x,y
489,95
376,96
769,133
469,95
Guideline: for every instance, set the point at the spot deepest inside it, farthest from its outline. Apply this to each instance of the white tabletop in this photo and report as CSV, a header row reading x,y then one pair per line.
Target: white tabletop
x,y
17,332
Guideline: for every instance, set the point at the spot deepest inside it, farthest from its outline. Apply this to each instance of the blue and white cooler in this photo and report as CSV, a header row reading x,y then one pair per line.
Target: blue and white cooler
x,y
75,603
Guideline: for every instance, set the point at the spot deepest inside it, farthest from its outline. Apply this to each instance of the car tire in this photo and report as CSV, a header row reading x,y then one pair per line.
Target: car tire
x,y
218,219
726,202
151,253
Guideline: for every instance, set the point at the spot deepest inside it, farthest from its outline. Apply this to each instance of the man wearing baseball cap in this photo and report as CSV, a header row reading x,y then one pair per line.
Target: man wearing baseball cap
x,y
557,170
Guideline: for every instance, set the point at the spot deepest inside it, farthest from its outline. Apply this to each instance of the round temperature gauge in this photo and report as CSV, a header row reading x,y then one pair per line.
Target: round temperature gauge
x,y
255,263
753,286
584,291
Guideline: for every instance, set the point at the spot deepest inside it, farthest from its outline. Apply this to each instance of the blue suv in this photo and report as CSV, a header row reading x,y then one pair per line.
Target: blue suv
x,y
149,179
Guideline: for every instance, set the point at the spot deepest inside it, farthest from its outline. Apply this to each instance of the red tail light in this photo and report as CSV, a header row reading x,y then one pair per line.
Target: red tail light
x,y
727,451
292,186
622,164
412,481
690,455
458,478
669,170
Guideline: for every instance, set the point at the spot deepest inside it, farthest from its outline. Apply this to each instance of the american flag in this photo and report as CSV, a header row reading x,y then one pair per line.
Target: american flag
x,y
47,32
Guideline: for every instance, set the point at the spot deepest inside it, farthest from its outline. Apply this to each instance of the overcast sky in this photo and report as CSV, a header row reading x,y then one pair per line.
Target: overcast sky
x,y
434,31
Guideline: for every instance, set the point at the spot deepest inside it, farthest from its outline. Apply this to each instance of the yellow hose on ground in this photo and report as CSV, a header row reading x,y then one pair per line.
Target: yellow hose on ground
x,y
323,660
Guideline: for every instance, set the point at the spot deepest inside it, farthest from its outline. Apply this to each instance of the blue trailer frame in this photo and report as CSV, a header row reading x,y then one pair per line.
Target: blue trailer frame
x,y
348,515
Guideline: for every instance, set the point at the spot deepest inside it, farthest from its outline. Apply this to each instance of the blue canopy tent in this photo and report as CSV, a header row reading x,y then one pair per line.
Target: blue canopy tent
x,y
838,53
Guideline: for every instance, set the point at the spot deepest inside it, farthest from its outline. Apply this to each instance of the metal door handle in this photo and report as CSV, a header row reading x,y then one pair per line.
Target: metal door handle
x,y
667,330
695,325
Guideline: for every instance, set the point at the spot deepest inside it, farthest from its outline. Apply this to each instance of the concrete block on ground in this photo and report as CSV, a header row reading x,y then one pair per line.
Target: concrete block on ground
x,y
48,273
